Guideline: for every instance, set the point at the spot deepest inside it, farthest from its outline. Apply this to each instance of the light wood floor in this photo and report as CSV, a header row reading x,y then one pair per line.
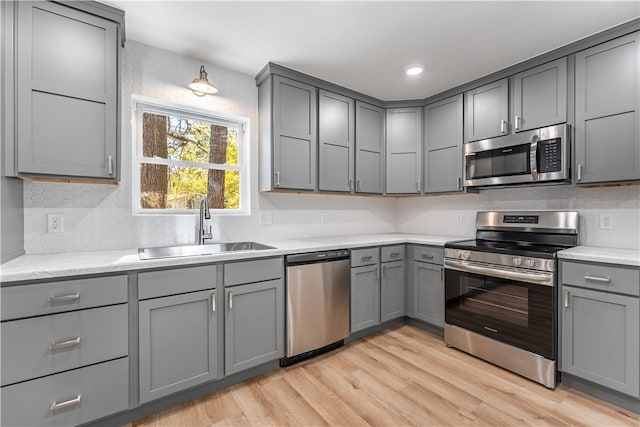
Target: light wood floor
x,y
400,377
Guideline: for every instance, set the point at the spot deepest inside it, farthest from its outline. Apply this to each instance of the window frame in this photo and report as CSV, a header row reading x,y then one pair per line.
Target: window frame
x,y
140,105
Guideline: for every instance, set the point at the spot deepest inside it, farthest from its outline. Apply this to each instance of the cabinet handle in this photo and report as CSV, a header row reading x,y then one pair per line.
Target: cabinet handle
x,y
67,403
579,178
110,165
427,256
64,298
598,279
394,254
230,300
366,258
277,179
503,126
565,299
442,274
517,122
213,302
418,185
384,270
357,185
350,184
375,273
459,183
64,344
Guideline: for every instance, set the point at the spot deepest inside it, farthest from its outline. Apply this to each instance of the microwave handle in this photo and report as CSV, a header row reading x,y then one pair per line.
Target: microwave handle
x,y
533,157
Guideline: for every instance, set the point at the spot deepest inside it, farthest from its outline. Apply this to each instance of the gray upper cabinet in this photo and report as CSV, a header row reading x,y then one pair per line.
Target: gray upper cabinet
x,y
369,148
443,138
336,138
404,150
67,93
540,96
487,111
295,144
607,125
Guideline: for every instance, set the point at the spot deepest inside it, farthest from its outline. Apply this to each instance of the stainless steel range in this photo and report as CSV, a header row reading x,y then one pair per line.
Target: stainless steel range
x,y
501,290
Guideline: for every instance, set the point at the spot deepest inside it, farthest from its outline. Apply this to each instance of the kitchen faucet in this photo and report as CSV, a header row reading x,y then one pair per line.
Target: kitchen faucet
x,y
204,214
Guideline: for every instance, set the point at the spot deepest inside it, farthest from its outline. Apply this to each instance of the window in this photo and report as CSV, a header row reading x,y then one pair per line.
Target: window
x,y
184,154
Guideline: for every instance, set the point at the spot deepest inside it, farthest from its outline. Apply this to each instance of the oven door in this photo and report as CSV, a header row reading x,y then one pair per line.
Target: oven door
x,y
511,306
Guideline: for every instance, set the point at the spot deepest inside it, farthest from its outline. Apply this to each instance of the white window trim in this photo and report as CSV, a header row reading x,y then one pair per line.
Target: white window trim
x,y
164,107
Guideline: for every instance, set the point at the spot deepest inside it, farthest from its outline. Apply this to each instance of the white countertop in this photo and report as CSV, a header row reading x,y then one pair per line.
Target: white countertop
x,y
47,266
601,254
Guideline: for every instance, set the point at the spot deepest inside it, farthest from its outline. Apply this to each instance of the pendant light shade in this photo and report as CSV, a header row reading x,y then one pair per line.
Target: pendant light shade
x,y
201,86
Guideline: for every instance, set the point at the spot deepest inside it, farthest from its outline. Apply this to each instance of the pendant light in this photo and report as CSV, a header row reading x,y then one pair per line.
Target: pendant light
x,y
201,86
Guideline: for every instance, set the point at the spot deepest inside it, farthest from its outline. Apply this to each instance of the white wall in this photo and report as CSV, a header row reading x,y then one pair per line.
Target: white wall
x,y
437,214
99,217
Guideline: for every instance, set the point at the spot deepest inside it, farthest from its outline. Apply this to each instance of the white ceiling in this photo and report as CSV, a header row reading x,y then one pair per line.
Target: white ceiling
x,y
366,45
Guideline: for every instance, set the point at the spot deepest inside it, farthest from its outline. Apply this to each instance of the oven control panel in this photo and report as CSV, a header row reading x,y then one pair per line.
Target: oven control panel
x,y
498,259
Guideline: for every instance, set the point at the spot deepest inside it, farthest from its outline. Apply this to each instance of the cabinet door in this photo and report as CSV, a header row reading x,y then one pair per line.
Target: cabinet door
x,y
428,293
294,134
487,111
600,334
369,148
365,297
540,96
67,92
178,343
254,324
404,150
607,123
392,304
443,129
336,138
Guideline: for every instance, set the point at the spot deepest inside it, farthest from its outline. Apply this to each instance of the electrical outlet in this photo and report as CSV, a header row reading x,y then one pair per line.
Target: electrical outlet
x,y
323,218
458,219
266,218
55,223
606,222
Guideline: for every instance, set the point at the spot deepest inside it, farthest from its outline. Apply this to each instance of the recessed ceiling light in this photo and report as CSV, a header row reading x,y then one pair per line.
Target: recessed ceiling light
x,y
414,70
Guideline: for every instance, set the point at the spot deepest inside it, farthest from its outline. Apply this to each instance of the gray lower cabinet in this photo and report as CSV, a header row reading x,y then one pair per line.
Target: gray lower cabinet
x,y
370,135
254,324
443,138
67,93
607,129
487,111
540,96
336,140
404,150
178,342
600,335
427,278
600,324
392,290
365,297
64,351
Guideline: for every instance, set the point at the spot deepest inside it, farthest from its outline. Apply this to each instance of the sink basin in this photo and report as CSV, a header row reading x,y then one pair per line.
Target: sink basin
x,y
194,250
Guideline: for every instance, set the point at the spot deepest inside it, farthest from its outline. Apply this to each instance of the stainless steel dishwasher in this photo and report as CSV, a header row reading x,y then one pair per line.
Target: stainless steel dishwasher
x,y
317,303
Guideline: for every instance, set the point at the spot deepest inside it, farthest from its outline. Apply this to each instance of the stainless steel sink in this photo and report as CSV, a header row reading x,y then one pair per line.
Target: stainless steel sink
x,y
195,250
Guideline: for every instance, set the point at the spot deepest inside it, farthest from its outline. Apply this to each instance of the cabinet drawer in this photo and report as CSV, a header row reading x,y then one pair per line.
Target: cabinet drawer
x,y
177,281
103,389
66,295
602,277
392,253
432,254
236,273
368,256
45,345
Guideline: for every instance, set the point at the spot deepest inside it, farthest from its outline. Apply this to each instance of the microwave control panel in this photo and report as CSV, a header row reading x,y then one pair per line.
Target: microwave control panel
x,y
550,152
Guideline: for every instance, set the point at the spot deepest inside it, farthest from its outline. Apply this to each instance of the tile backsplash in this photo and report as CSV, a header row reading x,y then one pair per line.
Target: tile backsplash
x,y
99,217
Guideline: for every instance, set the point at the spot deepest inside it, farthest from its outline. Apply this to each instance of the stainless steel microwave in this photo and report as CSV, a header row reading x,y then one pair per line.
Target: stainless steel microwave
x,y
532,157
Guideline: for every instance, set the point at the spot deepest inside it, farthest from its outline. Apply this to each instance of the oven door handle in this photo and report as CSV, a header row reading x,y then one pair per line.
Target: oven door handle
x,y
465,266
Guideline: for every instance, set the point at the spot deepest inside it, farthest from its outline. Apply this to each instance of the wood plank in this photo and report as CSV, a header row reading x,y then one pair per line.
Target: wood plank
x,y
399,377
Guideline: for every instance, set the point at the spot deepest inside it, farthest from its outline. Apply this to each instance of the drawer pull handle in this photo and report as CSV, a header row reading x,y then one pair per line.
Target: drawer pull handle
x,y
55,406
598,279
427,256
64,344
64,298
366,258
394,254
